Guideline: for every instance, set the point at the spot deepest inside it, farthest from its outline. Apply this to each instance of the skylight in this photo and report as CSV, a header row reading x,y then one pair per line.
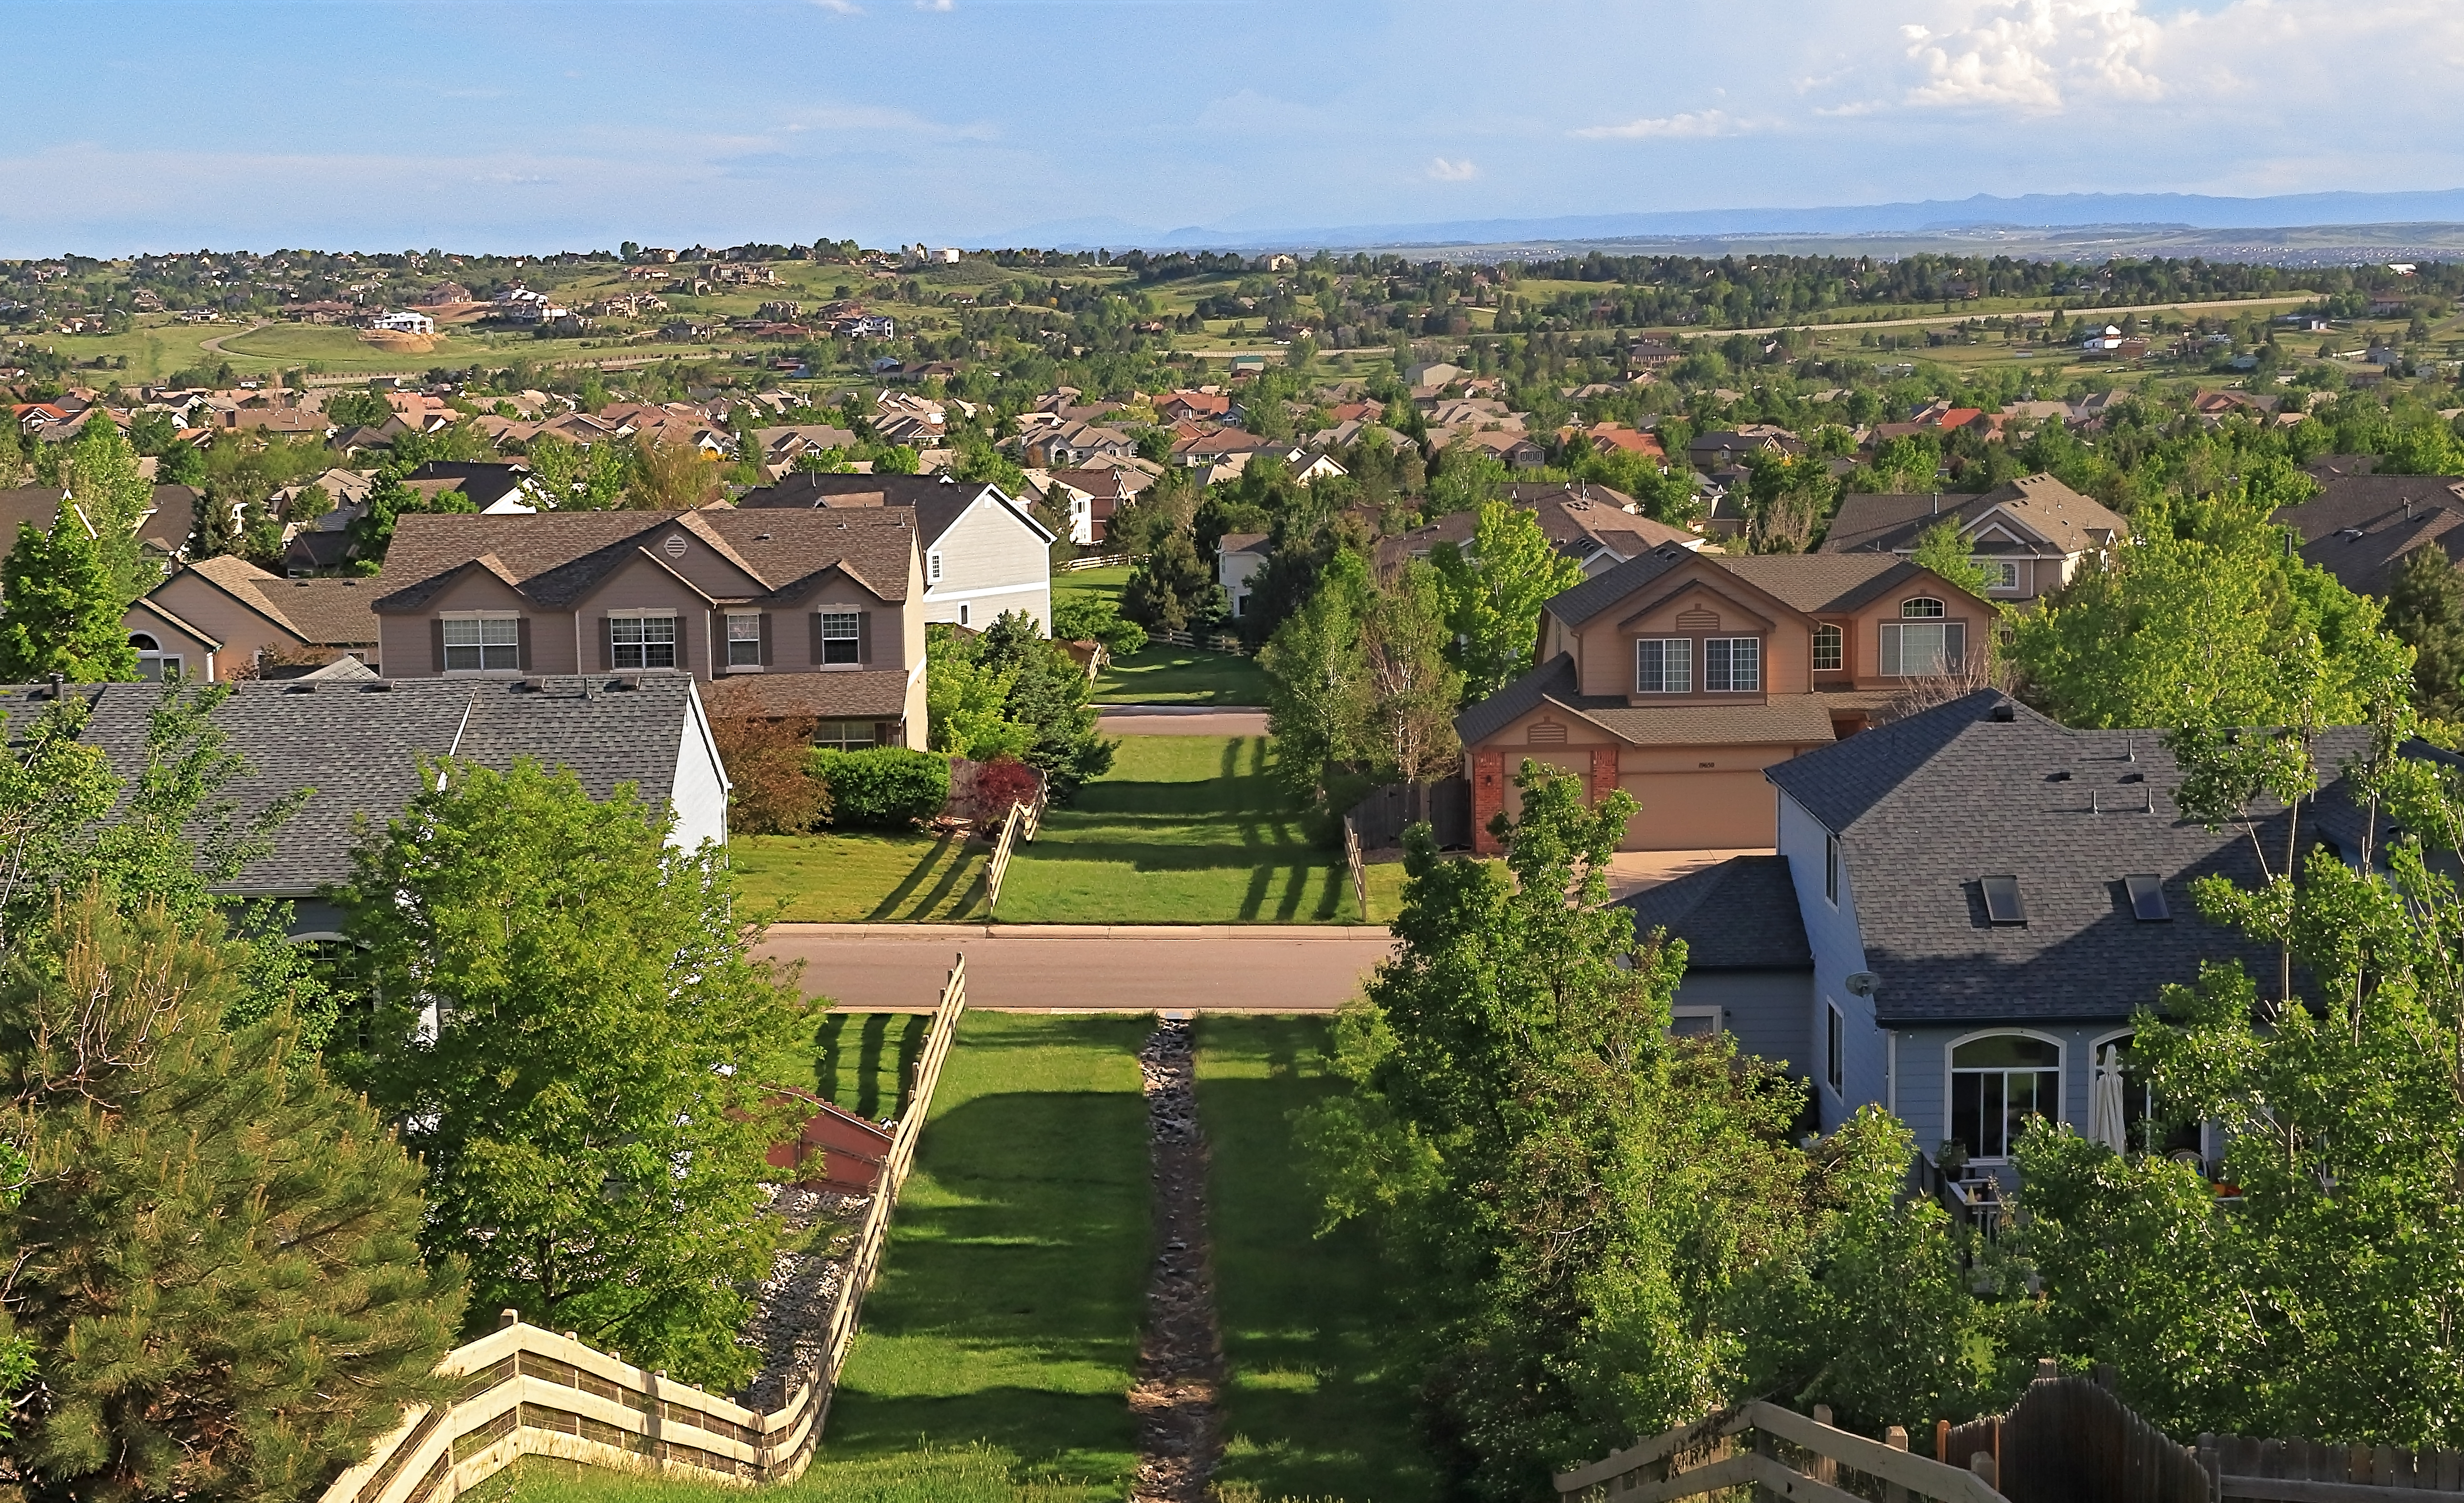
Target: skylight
x,y
2147,900
2002,905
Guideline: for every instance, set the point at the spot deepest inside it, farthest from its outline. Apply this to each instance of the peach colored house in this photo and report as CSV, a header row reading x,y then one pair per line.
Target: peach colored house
x,y
806,614
1679,677
224,618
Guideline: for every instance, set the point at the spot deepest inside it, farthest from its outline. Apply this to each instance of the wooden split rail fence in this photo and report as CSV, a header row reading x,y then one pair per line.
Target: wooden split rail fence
x,y
1359,870
1022,822
530,1392
1779,1452
1212,641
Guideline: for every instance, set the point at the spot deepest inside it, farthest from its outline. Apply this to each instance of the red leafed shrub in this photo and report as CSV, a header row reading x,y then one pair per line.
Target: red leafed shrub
x,y
774,793
1001,782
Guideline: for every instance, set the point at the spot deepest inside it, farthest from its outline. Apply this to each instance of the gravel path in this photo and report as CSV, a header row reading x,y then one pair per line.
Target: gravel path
x,y
791,1310
1180,1354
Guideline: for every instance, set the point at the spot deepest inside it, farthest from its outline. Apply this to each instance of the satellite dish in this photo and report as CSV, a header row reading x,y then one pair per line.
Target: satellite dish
x,y
1862,984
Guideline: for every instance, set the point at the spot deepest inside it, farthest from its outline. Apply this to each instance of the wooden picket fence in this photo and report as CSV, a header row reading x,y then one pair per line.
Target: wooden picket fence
x,y
533,1392
1023,819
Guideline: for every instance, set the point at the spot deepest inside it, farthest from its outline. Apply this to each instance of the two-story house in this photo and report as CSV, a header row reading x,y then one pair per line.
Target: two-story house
x,y
803,615
2360,528
1681,676
225,618
2029,535
1966,909
983,553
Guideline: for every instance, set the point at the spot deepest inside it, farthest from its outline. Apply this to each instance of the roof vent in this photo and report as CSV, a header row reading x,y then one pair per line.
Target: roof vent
x,y
2147,900
2002,904
303,687
2063,775
381,686
2004,713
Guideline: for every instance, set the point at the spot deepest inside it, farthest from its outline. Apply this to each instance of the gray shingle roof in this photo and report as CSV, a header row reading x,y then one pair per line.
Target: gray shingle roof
x,y
937,500
2042,504
1784,721
1738,916
1926,807
358,743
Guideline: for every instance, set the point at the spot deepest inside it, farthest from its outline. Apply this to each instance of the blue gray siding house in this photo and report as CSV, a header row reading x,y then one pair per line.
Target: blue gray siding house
x,y
1977,899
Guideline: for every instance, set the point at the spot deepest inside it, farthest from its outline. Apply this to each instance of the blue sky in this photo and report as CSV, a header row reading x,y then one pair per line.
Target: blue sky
x,y
541,124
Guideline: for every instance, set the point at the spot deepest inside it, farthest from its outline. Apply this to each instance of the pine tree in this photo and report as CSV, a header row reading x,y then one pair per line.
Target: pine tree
x,y
2426,609
216,1250
59,611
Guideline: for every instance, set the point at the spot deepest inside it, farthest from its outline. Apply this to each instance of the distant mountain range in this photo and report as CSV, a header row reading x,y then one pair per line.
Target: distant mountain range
x,y
1957,217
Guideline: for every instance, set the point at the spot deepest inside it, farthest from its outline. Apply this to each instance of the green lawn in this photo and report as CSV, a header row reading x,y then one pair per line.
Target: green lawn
x,y
865,1061
1313,1405
1105,583
1183,829
1009,1301
1160,673
858,878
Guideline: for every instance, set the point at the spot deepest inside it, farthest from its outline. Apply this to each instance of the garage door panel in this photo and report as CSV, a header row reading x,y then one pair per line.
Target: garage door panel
x,y
1700,811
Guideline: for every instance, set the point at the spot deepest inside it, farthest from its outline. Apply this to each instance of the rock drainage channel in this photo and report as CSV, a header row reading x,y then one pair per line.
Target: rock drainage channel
x,y
1180,1356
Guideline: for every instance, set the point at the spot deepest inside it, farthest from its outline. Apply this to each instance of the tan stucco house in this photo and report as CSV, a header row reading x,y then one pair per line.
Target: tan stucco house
x,y
224,618
1679,677
805,615
2029,535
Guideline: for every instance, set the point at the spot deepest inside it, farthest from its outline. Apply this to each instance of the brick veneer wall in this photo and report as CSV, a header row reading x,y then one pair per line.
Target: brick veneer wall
x,y
1488,799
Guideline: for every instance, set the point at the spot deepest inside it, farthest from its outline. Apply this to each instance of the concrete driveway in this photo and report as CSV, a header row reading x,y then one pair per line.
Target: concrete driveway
x,y
1632,871
1084,968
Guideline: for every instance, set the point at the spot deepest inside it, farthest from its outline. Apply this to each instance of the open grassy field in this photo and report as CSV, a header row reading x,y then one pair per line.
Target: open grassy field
x,y
1162,674
1183,829
1314,1404
860,878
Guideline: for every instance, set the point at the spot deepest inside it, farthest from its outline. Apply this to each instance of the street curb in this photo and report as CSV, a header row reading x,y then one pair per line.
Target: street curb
x,y
1339,934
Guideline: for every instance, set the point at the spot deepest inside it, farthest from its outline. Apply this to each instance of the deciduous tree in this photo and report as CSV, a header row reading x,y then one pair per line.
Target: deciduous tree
x,y
61,610
1494,590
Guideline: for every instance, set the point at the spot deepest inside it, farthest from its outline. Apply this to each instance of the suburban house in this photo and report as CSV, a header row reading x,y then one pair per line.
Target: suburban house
x,y
1239,556
163,531
808,615
1965,909
2359,526
1729,448
496,489
2029,535
1090,497
1588,523
357,743
1681,676
983,552
225,618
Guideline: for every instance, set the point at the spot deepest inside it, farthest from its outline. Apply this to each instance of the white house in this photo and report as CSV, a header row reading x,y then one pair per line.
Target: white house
x,y
984,554
405,322
1238,559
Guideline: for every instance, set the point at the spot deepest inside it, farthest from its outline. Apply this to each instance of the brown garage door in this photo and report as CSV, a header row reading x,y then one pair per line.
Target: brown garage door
x,y
1700,811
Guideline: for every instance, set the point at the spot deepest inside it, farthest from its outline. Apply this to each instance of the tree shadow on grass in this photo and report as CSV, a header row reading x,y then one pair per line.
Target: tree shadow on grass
x,y
887,907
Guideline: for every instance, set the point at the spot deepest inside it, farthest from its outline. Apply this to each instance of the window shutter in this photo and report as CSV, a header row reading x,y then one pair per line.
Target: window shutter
x,y
816,619
436,641
863,638
765,639
1954,646
606,644
1889,665
522,644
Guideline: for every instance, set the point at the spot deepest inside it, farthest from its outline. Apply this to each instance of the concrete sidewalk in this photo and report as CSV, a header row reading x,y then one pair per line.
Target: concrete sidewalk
x,y
1092,968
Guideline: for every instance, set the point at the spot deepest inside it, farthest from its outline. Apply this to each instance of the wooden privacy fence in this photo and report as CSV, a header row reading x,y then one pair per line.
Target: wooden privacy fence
x,y
2071,1440
531,1392
2309,1471
1021,825
1359,872
1383,814
1779,1452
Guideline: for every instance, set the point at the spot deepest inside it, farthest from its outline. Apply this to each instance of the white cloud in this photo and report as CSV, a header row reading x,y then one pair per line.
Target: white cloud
x,y
840,7
2037,55
936,5
1696,125
1445,171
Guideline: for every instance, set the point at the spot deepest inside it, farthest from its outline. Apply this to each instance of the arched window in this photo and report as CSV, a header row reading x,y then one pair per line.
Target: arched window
x,y
1924,608
1921,642
1829,649
1998,1082
153,664
142,642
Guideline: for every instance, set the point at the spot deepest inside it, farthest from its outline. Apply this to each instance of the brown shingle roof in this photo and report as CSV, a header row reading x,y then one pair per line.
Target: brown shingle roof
x,y
867,693
555,558
2045,506
325,613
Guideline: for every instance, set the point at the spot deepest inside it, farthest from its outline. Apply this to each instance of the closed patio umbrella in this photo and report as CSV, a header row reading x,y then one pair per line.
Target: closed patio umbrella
x,y
2105,1124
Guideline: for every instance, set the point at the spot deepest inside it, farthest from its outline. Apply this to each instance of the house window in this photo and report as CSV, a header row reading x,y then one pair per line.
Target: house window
x,y
483,644
2148,1122
933,567
963,613
841,637
1829,650
1664,665
1831,870
1918,644
1999,573
744,641
643,642
1733,665
1693,1023
848,735
1996,1084
1834,1047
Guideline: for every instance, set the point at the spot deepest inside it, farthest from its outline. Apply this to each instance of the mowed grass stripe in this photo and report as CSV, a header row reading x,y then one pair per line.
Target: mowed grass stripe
x,y
1314,1403
1183,829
